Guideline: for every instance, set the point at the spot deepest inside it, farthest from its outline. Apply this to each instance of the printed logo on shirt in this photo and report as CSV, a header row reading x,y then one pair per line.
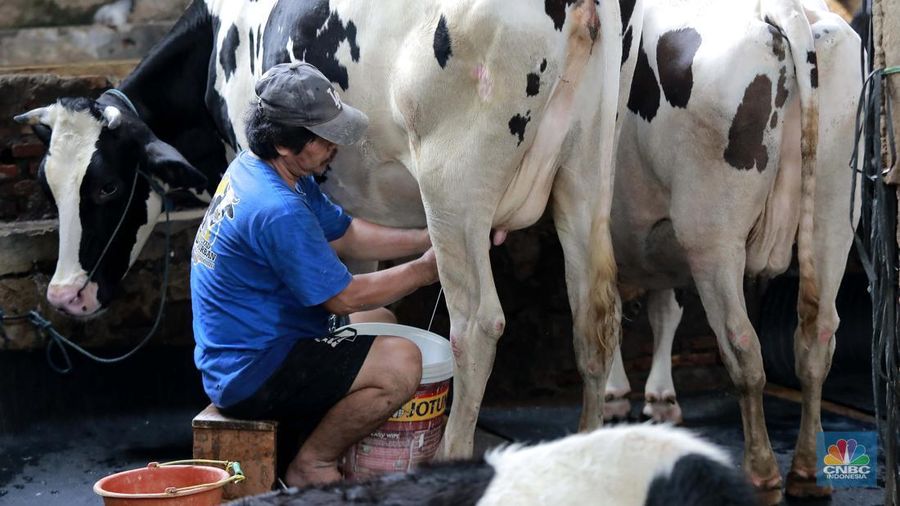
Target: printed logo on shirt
x,y
336,338
221,207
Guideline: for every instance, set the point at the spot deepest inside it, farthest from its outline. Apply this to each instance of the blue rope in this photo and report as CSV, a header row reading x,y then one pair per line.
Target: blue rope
x,y
124,98
57,341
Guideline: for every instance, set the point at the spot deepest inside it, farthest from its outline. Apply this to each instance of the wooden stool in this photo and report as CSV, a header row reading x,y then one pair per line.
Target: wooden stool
x,y
253,443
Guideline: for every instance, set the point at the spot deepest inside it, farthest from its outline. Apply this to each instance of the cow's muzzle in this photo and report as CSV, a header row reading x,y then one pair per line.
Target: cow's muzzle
x,y
74,299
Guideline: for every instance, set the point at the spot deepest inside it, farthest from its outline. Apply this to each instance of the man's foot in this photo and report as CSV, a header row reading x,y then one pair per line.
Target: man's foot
x,y
302,473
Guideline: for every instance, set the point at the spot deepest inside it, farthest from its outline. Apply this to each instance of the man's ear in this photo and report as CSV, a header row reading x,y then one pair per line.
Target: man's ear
x,y
165,162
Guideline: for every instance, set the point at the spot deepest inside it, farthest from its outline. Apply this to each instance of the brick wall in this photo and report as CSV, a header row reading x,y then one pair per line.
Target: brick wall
x,y
20,198
20,150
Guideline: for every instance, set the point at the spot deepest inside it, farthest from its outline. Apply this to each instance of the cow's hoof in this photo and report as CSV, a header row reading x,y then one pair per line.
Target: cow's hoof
x,y
616,409
803,484
768,490
769,497
665,410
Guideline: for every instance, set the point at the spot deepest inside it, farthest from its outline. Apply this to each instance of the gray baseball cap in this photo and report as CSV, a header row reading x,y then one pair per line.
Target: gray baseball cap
x,y
298,94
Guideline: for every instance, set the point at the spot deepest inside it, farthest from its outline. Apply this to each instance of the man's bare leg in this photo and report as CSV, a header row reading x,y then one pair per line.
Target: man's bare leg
x,y
388,378
379,315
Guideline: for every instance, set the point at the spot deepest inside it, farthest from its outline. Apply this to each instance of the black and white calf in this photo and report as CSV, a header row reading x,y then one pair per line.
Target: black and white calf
x,y
622,466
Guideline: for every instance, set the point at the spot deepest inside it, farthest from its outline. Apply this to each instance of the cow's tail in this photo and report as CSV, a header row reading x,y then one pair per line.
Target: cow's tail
x,y
789,17
604,294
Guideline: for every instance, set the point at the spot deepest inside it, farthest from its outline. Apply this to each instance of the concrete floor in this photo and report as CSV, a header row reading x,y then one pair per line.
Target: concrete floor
x,y
60,434
56,463
713,415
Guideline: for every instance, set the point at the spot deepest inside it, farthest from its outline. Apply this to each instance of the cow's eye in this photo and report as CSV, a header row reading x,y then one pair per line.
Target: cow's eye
x,y
108,190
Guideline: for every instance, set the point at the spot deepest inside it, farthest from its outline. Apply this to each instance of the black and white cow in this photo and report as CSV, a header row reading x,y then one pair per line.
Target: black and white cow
x,y
726,160
480,112
90,173
621,466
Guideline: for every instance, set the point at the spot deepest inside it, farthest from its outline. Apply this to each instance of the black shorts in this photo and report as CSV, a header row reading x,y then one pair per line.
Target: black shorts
x,y
315,375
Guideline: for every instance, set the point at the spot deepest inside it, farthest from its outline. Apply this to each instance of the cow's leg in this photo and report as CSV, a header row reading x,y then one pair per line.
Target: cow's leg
x,y
813,348
476,323
582,197
659,393
617,406
595,315
459,225
718,273
581,203
473,174
814,344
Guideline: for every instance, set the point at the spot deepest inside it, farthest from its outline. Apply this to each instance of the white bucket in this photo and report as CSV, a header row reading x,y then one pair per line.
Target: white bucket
x,y
412,435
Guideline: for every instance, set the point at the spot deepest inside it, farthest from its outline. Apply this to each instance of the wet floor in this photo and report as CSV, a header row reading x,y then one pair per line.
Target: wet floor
x,y
713,415
68,432
57,463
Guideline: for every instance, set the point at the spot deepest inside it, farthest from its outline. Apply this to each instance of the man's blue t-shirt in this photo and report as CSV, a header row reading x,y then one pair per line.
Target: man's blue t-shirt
x,y
261,268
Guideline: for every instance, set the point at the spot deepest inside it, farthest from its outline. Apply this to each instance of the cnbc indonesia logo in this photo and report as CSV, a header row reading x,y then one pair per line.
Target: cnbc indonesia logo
x,y
846,460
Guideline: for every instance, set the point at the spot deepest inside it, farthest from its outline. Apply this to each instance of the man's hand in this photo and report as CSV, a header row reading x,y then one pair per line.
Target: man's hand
x,y
428,262
376,289
424,239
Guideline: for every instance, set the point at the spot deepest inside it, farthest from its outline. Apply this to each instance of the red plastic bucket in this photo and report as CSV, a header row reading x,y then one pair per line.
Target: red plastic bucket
x,y
412,435
168,485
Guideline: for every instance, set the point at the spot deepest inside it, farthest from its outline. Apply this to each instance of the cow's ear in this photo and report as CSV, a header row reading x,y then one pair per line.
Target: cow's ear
x,y
42,132
165,162
112,117
41,115
40,120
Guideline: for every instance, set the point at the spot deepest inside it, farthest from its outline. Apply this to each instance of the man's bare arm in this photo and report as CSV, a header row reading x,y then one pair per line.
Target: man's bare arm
x,y
377,289
365,240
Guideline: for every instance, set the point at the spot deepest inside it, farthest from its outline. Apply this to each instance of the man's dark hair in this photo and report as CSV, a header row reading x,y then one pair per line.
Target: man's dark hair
x,y
263,135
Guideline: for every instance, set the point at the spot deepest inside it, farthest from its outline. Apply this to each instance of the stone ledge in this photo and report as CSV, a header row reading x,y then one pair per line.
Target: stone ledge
x,y
31,13
113,68
26,243
68,44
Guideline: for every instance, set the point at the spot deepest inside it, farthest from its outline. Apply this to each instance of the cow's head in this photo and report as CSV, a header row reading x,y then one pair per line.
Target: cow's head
x,y
106,207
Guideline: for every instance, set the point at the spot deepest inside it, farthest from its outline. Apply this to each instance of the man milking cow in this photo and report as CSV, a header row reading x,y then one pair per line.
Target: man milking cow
x,y
266,278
